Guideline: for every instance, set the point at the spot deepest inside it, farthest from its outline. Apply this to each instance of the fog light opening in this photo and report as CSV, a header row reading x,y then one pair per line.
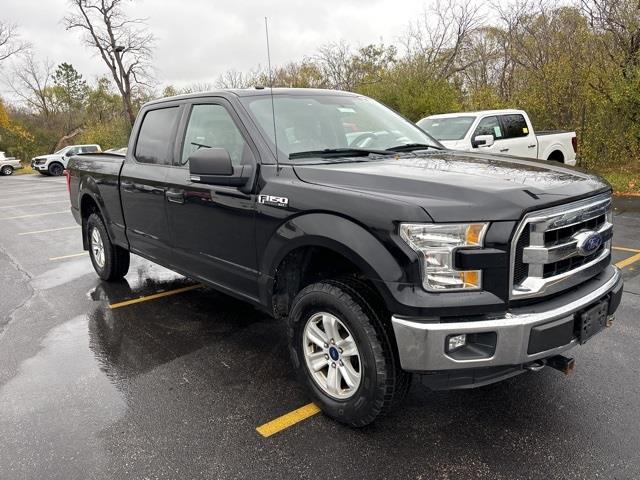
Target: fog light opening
x,y
456,342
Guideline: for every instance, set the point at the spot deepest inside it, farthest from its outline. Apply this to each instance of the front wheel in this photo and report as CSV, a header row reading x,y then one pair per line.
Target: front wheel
x,y
110,262
6,170
344,351
56,169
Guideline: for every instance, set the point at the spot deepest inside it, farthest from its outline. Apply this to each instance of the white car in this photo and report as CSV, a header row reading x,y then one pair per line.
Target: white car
x,y
8,164
55,163
501,131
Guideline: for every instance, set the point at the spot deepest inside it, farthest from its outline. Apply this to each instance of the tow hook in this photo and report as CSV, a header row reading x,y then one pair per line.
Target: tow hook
x,y
610,319
535,366
562,363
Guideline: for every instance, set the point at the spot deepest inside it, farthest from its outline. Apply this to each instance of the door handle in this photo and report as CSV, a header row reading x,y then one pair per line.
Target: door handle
x,y
532,146
127,186
504,150
175,197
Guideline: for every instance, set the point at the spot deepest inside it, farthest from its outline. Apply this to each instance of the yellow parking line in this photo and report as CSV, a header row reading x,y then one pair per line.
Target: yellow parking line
x,y
34,215
626,249
73,255
286,421
628,261
154,296
49,230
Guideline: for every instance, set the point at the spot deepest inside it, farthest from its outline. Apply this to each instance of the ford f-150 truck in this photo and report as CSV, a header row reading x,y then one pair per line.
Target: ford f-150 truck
x,y
387,261
501,131
55,163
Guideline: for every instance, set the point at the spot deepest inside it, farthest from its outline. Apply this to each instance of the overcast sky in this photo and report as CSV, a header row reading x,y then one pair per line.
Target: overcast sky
x,y
196,40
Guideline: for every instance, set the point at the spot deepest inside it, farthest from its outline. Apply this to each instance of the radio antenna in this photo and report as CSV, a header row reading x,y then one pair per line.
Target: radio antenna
x,y
273,106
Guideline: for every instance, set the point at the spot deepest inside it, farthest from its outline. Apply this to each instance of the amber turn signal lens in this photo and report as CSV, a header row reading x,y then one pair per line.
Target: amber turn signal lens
x,y
473,233
471,278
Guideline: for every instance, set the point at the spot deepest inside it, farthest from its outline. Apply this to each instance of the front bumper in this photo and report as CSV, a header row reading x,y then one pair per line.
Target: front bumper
x,y
421,342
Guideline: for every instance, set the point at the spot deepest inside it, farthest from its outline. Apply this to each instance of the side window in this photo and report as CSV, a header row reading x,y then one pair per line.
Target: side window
x,y
156,136
211,126
514,126
89,149
489,126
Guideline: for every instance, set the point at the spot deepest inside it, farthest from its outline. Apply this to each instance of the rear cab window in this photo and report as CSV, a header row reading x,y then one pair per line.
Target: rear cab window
x,y
156,136
514,125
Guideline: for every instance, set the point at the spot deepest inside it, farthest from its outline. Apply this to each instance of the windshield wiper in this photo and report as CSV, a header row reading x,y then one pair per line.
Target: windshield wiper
x,y
410,147
338,152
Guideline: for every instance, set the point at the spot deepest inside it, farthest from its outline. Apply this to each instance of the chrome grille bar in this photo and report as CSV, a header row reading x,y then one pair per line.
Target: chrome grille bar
x,y
538,253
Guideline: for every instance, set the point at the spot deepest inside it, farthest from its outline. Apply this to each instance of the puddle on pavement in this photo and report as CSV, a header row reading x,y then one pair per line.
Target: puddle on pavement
x,y
57,404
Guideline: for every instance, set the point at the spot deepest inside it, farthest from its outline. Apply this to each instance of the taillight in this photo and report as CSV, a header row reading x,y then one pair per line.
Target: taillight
x,y
68,175
574,144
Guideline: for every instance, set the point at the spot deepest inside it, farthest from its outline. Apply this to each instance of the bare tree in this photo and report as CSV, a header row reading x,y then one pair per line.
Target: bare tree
x,y
9,41
439,37
30,82
124,44
620,19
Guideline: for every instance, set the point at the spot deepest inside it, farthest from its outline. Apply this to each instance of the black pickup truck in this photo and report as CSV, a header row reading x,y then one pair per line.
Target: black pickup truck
x,y
387,254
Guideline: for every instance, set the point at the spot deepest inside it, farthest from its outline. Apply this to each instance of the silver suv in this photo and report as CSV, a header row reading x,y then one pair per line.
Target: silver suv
x,y
55,163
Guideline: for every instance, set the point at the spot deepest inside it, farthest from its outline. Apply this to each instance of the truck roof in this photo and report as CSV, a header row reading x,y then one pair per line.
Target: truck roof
x,y
504,111
254,92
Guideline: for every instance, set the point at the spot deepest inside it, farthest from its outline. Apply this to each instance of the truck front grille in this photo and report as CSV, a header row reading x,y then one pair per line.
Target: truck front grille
x,y
549,250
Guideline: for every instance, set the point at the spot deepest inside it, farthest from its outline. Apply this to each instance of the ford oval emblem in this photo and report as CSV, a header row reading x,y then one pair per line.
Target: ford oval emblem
x,y
588,242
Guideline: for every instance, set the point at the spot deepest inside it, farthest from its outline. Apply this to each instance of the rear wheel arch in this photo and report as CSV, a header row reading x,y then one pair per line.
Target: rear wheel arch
x,y
556,156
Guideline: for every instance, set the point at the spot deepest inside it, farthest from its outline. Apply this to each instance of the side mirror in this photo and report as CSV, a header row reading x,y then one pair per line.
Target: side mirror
x,y
213,166
482,141
68,153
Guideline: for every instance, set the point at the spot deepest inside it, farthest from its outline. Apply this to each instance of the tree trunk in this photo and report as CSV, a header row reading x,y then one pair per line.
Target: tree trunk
x,y
63,141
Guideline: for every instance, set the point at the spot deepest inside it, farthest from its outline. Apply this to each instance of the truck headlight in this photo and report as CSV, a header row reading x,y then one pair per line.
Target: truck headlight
x,y
436,245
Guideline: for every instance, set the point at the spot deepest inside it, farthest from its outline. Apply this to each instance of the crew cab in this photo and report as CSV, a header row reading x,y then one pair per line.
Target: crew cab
x,y
503,132
8,164
391,257
55,163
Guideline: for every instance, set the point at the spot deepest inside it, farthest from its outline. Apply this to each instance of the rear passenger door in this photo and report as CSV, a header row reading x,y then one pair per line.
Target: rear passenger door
x,y
142,182
519,140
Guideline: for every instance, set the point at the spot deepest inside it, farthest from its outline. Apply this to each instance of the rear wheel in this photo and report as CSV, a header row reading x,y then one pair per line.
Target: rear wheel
x,y
6,170
56,169
110,262
343,351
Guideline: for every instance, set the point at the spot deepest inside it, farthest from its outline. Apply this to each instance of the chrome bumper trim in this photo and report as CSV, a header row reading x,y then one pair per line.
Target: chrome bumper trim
x,y
422,345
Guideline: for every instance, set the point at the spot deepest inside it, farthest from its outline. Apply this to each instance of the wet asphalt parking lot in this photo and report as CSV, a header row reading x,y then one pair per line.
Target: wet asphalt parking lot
x,y
175,385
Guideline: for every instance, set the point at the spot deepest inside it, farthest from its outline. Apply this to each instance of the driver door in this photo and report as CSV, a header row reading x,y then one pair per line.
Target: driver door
x,y
212,226
490,126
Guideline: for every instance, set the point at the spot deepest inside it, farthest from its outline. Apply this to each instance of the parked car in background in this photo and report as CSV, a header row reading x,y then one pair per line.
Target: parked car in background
x,y
501,131
8,164
117,151
55,163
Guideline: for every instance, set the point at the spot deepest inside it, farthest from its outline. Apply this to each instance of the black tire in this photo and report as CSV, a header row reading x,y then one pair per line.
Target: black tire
x,y
7,170
56,169
383,383
116,259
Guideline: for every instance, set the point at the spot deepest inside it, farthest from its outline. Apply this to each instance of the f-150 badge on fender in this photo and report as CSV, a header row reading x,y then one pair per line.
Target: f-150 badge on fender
x,y
273,200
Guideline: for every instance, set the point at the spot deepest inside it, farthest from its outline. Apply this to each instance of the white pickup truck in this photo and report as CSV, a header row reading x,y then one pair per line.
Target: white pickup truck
x,y
8,164
55,163
501,131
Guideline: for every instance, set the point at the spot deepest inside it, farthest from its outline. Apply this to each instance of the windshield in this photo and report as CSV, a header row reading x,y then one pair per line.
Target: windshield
x,y
313,123
61,151
450,128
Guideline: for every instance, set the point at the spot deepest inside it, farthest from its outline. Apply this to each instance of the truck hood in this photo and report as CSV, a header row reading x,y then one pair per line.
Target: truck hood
x,y
453,186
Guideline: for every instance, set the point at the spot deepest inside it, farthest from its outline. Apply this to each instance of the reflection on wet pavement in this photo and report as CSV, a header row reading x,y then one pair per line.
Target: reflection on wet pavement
x,y
60,392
